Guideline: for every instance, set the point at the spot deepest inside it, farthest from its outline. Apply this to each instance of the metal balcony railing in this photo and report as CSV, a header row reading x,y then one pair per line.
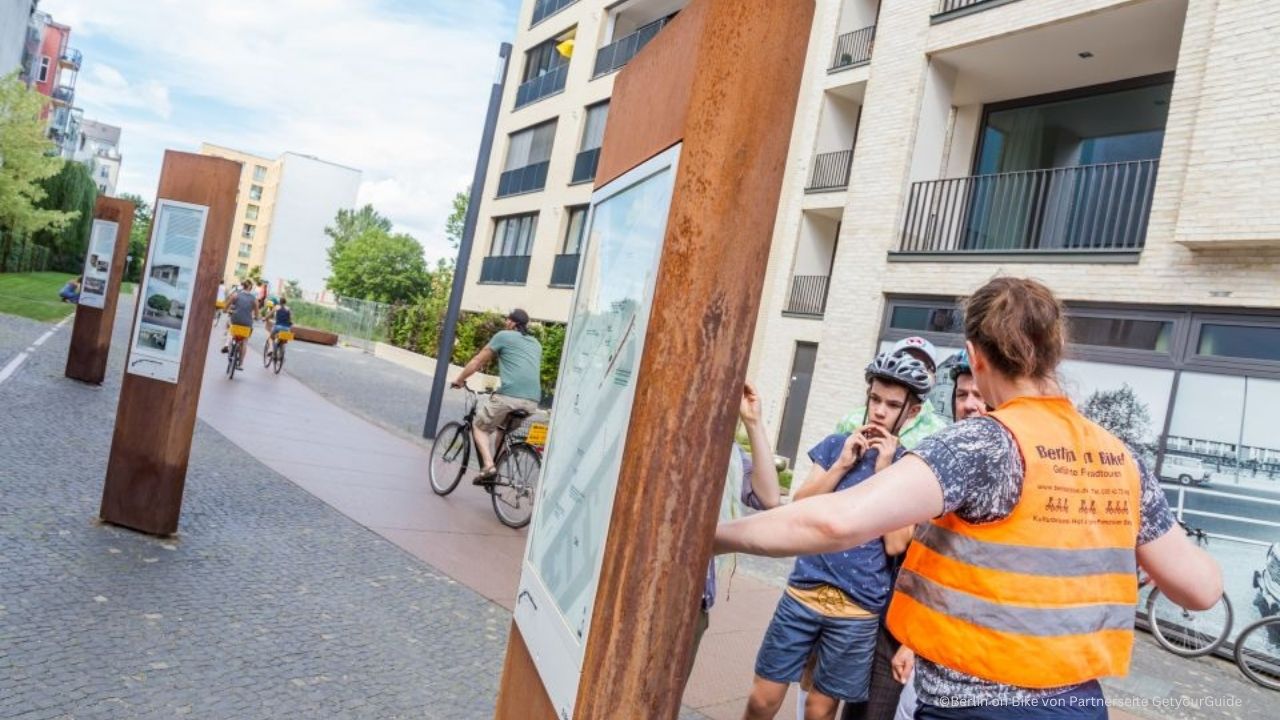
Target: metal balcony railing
x,y
808,296
1087,208
830,171
505,270
529,178
584,166
72,57
543,9
946,7
549,83
617,54
853,49
64,94
565,270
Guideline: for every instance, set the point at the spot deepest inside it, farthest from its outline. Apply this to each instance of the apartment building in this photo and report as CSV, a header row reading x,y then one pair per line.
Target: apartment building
x,y
52,67
1118,150
255,201
15,22
98,147
560,77
282,208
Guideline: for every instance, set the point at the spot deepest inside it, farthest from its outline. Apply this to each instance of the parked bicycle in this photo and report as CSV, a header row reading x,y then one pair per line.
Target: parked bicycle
x,y
239,344
1188,633
273,350
518,464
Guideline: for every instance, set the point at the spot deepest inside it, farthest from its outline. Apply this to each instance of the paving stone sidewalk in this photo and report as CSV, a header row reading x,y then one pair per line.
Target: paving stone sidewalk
x,y
267,604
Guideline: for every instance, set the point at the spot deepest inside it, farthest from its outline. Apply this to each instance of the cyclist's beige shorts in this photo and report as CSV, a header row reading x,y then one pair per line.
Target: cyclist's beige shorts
x,y
495,409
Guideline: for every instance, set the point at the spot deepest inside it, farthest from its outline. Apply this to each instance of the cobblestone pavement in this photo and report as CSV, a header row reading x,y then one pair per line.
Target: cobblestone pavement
x,y
268,603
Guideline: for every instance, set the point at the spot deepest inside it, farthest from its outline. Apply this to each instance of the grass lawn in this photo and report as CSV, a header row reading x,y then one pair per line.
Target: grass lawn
x,y
35,295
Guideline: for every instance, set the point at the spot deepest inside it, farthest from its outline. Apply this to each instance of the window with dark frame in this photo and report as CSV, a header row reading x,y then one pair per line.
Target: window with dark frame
x,y
576,230
513,235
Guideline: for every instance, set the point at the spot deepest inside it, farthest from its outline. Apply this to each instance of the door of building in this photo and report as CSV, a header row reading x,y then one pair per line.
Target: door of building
x,y
797,399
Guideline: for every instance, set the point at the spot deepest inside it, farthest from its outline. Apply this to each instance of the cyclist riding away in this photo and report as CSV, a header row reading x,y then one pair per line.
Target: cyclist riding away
x,y
1010,608
833,600
243,308
283,319
519,359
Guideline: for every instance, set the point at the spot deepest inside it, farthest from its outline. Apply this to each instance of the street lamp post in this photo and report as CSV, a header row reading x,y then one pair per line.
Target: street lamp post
x,y
449,331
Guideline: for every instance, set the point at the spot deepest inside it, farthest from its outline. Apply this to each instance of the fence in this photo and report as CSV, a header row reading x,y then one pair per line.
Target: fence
x,y
361,323
23,256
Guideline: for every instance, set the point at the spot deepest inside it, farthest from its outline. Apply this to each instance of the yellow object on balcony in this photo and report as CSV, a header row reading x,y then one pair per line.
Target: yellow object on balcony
x,y
565,48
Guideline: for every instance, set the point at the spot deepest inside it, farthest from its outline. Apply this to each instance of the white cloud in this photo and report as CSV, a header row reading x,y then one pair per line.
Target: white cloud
x,y
398,93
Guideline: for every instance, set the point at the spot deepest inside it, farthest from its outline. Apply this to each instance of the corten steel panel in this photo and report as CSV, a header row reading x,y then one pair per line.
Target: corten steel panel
x,y
722,79
521,694
147,469
91,334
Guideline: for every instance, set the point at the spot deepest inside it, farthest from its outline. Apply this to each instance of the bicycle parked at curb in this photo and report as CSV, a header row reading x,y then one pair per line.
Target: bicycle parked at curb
x,y
1183,632
518,463
273,350
239,344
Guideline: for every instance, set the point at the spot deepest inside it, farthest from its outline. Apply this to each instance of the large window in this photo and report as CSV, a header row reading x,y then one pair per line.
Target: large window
x,y
546,69
245,250
1247,342
575,231
44,69
255,192
528,159
251,212
248,231
530,146
513,235
259,173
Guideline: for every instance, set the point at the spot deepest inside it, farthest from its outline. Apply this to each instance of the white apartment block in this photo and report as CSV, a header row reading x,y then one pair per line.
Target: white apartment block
x,y
98,147
1121,151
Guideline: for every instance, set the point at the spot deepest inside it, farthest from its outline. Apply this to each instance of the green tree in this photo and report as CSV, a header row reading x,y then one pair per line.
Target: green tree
x,y
26,162
159,303
457,217
379,266
293,289
1123,414
255,274
72,190
139,236
351,224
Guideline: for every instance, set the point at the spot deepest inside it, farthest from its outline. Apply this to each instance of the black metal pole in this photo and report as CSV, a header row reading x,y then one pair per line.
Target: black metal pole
x,y
449,331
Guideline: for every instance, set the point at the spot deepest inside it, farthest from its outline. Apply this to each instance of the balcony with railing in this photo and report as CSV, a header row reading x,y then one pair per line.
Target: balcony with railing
x,y
584,166
529,178
615,55
830,171
543,9
853,49
547,84
564,272
71,58
63,94
808,296
505,270
948,9
1097,213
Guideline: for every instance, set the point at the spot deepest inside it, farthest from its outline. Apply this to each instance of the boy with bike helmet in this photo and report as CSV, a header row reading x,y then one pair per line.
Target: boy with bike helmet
x,y
833,600
925,422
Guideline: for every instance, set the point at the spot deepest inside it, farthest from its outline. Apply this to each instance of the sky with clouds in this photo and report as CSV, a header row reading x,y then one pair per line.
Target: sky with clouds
x,y
396,88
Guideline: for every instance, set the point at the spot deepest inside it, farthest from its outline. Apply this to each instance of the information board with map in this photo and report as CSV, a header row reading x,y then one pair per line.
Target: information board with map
x,y
594,397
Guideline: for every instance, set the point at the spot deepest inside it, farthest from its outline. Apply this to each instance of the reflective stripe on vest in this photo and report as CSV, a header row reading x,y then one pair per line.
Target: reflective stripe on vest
x,y
1044,597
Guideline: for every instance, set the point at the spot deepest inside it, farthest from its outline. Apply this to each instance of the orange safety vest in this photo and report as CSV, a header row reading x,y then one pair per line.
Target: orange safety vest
x,y
1045,597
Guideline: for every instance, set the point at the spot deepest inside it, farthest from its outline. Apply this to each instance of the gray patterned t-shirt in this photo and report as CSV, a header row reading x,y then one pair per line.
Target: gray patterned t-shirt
x,y
980,470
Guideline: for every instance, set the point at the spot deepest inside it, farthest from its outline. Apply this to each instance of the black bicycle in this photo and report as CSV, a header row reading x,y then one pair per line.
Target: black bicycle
x,y
273,350
1183,632
518,464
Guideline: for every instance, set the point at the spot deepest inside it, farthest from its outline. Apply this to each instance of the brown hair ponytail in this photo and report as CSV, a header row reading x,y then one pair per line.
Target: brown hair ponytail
x,y
1019,325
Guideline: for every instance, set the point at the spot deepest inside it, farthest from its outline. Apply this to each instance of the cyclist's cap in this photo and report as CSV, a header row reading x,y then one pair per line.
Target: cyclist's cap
x,y
518,317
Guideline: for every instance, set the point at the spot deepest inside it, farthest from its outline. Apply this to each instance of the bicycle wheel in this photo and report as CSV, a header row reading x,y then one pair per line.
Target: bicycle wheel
x,y
233,357
267,355
515,485
1188,633
449,454
278,360
1258,652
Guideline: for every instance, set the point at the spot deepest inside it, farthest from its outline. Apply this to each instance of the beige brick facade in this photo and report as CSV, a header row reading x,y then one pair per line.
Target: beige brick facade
x,y
1218,156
